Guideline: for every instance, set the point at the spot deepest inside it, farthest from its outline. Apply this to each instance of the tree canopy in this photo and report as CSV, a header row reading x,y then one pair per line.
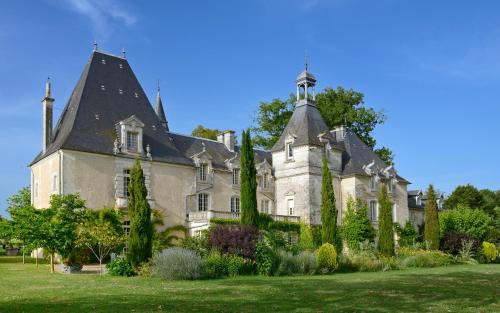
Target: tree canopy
x,y
337,107
204,132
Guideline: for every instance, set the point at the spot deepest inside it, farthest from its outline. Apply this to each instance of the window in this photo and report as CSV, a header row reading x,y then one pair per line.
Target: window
x,y
235,204
373,211
131,141
54,183
265,181
390,186
373,183
126,232
264,206
260,181
289,150
202,202
290,205
236,176
126,182
413,217
202,172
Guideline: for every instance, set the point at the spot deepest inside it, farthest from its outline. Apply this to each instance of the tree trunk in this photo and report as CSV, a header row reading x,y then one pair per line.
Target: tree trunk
x,y
100,266
52,262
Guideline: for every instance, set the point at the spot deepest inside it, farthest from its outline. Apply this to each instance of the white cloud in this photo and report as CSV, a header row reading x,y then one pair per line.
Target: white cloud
x,y
104,15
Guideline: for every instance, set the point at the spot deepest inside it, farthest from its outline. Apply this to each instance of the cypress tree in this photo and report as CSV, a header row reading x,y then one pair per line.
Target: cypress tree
x,y
328,207
248,174
431,228
140,239
385,227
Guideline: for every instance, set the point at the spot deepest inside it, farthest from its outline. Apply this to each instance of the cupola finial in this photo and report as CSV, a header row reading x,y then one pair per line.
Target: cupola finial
x,y
47,88
123,53
95,45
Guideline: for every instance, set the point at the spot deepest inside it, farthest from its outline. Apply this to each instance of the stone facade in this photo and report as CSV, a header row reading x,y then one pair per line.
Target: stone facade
x,y
191,180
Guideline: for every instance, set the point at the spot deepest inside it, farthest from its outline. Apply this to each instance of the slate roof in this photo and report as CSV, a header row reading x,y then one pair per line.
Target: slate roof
x,y
159,110
107,93
305,125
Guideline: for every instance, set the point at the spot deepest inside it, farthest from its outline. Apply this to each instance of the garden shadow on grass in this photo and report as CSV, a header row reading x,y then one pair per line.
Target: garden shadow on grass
x,y
464,290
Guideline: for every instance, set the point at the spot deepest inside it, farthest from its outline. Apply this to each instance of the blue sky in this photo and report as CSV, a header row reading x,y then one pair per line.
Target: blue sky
x,y
432,66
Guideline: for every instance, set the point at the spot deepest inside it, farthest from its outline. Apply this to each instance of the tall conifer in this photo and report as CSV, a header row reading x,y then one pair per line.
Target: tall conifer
x,y
140,239
328,207
248,188
385,227
431,226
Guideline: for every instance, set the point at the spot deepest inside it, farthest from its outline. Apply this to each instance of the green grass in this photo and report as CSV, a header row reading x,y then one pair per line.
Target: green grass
x,y
24,288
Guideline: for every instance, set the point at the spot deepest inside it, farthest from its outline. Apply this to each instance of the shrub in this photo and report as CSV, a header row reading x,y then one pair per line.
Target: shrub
x,y
234,239
407,234
490,251
302,263
120,267
144,269
266,259
215,265
473,222
197,243
235,265
306,237
452,243
410,257
326,257
176,264
356,227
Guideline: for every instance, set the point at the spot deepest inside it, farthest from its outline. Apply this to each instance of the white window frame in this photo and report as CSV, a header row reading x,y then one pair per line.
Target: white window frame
x,y
290,209
390,186
265,180
264,206
373,183
373,211
132,141
203,202
236,176
126,182
203,172
289,150
235,204
126,232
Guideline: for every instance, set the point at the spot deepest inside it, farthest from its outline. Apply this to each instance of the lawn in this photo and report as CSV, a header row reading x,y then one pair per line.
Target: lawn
x,y
24,288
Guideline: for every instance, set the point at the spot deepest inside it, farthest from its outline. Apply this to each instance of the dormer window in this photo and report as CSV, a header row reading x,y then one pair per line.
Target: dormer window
x,y
132,141
373,183
202,172
390,185
265,181
131,135
236,176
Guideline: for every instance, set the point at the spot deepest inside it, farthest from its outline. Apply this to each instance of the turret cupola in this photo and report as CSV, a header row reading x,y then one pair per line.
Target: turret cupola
x,y
159,110
306,88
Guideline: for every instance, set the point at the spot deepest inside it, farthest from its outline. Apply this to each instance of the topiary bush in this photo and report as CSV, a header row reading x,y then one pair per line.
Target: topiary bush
x,y
215,265
326,257
177,264
234,239
452,243
120,267
490,252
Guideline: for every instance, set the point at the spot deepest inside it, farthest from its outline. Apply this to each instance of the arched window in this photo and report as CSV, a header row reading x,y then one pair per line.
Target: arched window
x,y
235,204
202,202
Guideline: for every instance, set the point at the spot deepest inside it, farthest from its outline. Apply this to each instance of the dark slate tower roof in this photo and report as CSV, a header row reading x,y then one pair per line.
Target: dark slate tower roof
x,y
107,93
305,124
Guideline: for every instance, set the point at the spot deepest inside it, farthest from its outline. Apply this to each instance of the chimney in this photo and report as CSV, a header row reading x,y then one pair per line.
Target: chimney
x,y
47,103
227,138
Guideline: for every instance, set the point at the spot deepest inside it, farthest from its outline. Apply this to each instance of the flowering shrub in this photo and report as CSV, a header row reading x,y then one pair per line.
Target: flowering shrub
x,y
177,263
120,267
234,239
490,251
327,258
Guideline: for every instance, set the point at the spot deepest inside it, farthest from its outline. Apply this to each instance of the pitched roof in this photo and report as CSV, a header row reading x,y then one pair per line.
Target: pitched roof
x,y
305,125
108,92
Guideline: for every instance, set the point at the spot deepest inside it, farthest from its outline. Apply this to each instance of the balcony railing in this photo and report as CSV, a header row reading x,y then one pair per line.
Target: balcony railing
x,y
211,214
